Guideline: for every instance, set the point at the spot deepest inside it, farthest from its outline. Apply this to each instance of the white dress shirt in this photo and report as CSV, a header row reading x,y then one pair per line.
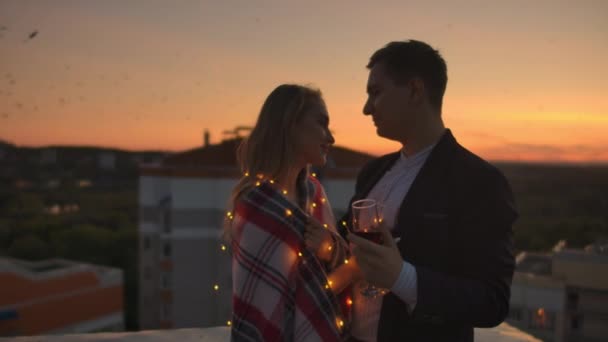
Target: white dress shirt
x,y
390,191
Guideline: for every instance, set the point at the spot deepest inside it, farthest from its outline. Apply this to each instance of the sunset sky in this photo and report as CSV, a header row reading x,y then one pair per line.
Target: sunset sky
x,y
527,79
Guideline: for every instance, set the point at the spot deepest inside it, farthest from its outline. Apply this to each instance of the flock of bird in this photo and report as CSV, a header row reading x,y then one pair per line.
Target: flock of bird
x,y
9,81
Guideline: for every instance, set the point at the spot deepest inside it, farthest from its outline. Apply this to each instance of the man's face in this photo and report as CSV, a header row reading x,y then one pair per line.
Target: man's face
x,y
389,105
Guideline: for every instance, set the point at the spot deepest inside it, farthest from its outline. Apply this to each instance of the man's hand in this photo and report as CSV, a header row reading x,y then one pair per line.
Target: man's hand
x,y
318,239
380,264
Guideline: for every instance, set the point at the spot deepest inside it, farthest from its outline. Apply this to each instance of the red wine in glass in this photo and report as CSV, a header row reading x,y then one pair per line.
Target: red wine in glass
x,y
366,221
373,236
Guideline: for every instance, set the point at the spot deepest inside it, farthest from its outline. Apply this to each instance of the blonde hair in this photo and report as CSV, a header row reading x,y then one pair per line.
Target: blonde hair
x,y
269,149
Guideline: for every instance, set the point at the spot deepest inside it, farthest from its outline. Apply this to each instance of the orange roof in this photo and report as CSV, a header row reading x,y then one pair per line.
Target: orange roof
x,y
220,155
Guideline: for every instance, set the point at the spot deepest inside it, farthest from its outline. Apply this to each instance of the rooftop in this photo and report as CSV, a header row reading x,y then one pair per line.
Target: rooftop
x,y
535,263
219,160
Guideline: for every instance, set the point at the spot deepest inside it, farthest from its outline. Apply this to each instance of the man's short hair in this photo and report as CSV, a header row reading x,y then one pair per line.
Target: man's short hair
x,y
404,60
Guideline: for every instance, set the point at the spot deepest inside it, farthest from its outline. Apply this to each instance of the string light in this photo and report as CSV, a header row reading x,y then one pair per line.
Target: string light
x,y
344,223
246,174
340,323
323,200
257,183
314,175
329,248
349,302
314,205
288,212
325,225
346,261
271,181
229,323
223,247
216,287
284,192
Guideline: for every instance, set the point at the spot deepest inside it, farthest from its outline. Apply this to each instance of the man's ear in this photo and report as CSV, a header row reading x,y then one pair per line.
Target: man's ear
x,y
417,90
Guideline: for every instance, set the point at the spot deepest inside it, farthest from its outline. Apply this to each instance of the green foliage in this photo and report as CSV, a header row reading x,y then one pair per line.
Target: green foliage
x,y
30,247
559,203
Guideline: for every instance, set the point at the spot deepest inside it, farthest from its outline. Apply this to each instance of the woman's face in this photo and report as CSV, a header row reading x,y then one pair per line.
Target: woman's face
x,y
312,138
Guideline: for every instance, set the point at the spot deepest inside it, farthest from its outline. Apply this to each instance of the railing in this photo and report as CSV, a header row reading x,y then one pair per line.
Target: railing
x,y
502,333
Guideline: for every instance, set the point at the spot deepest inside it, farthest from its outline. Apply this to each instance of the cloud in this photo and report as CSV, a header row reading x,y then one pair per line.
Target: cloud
x,y
495,147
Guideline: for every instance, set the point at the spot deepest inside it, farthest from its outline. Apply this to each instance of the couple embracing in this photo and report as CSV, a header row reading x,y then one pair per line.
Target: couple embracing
x,y
445,261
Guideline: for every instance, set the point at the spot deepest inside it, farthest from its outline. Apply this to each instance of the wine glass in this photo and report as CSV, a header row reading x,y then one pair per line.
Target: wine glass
x,y
366,221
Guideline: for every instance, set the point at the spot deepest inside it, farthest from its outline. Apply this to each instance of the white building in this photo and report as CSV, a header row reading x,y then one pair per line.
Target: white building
x,y
561,296
182,205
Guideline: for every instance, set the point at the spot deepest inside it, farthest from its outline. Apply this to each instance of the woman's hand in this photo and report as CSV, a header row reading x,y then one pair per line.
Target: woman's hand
x,y
318,239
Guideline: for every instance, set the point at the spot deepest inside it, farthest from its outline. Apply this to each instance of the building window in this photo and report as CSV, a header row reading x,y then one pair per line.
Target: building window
x,y
541,319
572,301
167,249
166,220
515,314
165,281
165,311
147,273
576,323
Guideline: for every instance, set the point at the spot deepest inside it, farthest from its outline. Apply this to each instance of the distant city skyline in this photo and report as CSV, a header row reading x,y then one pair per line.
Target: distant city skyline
x,y
526,79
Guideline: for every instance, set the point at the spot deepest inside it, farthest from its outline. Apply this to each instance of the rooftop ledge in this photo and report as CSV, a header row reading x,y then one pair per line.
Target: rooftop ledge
x,y
502,333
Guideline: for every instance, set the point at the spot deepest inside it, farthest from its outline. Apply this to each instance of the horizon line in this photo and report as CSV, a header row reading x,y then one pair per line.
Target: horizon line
x,y
375,155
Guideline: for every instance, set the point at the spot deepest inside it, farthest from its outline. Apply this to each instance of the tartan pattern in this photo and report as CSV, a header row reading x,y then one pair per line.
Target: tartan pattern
x,y
279,286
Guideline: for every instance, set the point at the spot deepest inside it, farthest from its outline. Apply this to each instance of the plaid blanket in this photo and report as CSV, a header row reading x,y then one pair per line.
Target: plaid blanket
x,y
280,288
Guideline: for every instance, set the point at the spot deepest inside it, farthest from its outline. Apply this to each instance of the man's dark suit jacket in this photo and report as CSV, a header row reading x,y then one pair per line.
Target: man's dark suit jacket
x,y
456,229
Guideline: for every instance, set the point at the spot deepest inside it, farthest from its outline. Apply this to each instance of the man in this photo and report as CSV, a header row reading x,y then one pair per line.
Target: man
x,y
451,268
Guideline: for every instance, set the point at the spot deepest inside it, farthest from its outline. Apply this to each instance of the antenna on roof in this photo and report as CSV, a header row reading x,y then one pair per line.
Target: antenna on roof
x,y
206,137
237,132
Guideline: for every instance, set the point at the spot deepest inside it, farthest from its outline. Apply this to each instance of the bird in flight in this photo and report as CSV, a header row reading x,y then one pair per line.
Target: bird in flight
x,y
31,36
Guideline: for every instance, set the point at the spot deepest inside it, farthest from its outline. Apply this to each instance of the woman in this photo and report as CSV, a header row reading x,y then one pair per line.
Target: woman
x,y
282,230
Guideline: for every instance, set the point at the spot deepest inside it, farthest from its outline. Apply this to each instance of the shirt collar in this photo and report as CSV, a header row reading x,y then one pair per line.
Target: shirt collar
x,y
416,157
